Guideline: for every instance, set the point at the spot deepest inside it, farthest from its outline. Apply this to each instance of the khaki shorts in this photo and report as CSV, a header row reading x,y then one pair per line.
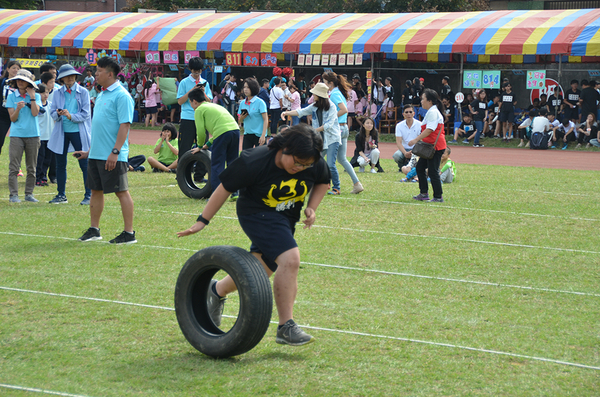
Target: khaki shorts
x,y
107,181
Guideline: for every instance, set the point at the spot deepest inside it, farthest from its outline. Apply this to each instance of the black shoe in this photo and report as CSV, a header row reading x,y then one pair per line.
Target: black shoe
x,y
53,180
92,234
124,238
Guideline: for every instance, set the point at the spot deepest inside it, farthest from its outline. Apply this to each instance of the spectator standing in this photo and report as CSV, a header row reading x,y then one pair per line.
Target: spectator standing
x,y
295,103
253,115
229,93
479,111
446,89
151,105
448,115
431,129
389,89
12,67
88,81
109,152
264,93
72,129
351,104
589,99
406,130
276,105
46,125
571,102
301,86
23,105
407,94
555,102
493,119
507,111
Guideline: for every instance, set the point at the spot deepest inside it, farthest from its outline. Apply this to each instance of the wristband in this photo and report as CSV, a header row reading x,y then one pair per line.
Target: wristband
x,y
203,220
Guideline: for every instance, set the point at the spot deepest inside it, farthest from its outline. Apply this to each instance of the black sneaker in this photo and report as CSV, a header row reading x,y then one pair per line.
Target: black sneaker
x,y
124,238
59,199
215,304
478,145
92,234
291,334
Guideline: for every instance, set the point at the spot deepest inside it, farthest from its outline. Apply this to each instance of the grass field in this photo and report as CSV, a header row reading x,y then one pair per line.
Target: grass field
x,y
493,293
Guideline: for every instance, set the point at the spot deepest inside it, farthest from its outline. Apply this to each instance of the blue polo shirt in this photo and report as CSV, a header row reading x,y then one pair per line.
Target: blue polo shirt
x,y
187,112
113,108
253,123
336,97
73,107
26,125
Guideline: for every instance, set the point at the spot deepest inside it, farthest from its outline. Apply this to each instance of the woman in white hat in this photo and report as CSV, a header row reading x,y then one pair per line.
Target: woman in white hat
x,y
10,71
23,106
324,121
72,131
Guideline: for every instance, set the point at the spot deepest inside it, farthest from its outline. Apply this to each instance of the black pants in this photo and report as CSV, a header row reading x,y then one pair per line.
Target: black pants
x,y
433,168
136,161
275,118
186,139
4,127
250,141
44,161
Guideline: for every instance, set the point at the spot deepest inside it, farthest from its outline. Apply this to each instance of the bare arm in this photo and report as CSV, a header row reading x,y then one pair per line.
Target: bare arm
x,y
111,161
316,195
217,199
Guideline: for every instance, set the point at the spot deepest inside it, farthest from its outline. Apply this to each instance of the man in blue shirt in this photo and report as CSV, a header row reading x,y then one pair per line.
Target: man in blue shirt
x,y
109,149
187,125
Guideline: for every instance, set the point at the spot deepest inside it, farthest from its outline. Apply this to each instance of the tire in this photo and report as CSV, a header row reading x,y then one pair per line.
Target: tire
x,y
255,296
185,174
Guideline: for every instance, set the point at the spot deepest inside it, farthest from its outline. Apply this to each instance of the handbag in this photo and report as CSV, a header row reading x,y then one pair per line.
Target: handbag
x,y
425,150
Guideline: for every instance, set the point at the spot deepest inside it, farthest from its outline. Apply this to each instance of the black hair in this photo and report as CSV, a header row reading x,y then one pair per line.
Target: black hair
x,y
565,121
198,95
170,127
253,86
147,86
389,78
504,85
196,63
449,150
446,78
574,81
300,141
98,88
416,80
46,77
46,67
543,95
41,88
340,82
110,64
9,65
585,82
276,81
322,103
363,132
408,83
301,75
532,113
265,81
593,83
408,106
434,98
543,112
122,78
536,99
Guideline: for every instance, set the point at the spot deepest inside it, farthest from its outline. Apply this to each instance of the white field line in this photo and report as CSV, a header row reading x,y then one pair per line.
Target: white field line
x,y
484,283
432,343
32,389
474,209
53,192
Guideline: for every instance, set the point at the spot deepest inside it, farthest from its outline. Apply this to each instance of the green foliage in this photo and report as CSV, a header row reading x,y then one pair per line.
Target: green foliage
x,y
21,4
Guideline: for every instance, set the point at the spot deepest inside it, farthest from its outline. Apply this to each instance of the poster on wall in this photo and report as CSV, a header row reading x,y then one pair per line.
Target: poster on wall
x,y
171,56
325,60
301,59
268,60
472,79
350,59
358,59
536,79
152,57
187,55
309,60
491,79
342,60
316,60
251,59
333,60
91,57
233,59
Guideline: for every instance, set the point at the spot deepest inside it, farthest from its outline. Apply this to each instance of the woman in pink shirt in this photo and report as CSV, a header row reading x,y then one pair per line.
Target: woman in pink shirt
x,y
151,109
351,104
295,103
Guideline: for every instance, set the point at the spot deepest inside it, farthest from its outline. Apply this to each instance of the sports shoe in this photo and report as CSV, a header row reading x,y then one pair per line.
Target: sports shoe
x,y
357,188
466,141
291,334
215,304
454,141
565,147
528,144
478,145
59,199
14,199
334,192
373,171
41,183
20,172
578,146
521,144
141,168
85,201
31,199
92,234
124,238
361,169
436,200
421,197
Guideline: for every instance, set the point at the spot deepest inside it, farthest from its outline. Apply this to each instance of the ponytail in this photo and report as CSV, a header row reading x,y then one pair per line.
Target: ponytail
x,y
340,82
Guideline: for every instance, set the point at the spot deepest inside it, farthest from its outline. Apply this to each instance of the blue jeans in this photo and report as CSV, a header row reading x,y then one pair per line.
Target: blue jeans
x,y
295,120
61,164
341,155
225,148
332,152
479,128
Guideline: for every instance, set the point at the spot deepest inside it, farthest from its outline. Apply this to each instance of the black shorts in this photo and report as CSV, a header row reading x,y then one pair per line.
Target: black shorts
x,y
271,234
152,110
507,116
351,114
107,181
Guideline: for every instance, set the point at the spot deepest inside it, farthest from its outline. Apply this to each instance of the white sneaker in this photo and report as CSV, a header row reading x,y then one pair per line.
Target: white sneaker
x,y
361,169
373,171
357,188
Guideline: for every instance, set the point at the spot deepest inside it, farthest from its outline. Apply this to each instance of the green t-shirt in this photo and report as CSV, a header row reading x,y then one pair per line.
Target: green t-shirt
x,y
165,155
215,119
449,164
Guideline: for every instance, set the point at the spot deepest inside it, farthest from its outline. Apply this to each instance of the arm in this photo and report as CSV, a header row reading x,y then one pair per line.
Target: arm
x,y
173,149
14,113
421,136
184,98
343,109
35,108
314,200
159,144
111,161
84,111
406,153
262,139
217,199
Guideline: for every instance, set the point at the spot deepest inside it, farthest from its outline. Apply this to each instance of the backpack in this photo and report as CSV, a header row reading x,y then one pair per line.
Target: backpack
x,y
539,141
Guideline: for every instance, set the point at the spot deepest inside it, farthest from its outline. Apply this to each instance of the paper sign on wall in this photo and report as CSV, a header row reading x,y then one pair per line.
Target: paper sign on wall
x,y
301,59
536,79
333,60
316,60
152,57
309,60
350,59
171,56
342,59
268,60
358,59
325,60
251,59
187,55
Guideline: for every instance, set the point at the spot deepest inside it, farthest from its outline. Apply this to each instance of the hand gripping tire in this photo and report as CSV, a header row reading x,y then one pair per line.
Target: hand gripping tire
x,y
185,174
255,307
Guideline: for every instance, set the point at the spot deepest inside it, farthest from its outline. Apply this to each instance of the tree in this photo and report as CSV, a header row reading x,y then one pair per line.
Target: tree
x,y
20,4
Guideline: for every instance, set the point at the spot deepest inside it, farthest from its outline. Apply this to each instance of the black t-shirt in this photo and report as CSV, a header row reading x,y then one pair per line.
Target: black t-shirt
x,y
494,107
554,103
449,111
446,90
4,91
589,96
416,90
573,97
265,187
507,100
480,108
407,96
467,127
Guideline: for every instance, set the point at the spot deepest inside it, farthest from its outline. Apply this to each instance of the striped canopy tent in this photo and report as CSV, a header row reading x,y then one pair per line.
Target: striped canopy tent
x,y
535,32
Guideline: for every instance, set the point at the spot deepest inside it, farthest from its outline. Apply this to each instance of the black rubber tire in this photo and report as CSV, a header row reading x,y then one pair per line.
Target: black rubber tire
x,y
255,296
185,174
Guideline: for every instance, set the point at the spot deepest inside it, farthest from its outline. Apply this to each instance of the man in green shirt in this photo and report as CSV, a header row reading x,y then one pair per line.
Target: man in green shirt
x,y
223,130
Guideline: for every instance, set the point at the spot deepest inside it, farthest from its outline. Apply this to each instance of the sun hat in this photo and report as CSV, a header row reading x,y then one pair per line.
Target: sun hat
x,y
66,70
321,90
25,75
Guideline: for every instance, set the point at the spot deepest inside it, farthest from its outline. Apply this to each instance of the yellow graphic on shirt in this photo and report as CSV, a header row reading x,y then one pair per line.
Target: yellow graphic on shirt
x,y
286,196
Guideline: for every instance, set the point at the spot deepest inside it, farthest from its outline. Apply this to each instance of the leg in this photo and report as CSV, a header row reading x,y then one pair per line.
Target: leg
x,y
479,128
83,164
127,209
217,160
32,147
226,286
15,155
96,208
433,166
4,127
172,166
332,152
422,175
61,166
154,163
374,156
40,162
341,155
285,283
136,161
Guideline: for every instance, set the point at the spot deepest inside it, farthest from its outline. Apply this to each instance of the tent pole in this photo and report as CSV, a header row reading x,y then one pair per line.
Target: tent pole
x,y
559,68
460,81
372,76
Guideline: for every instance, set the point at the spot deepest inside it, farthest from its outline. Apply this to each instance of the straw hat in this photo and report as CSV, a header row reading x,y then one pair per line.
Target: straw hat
x,y
25,75
321,90
66,70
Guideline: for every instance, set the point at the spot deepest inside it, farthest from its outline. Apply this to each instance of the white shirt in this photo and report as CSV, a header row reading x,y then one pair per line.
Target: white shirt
x,y
433,118
540,124
408,133
275,96
567,129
